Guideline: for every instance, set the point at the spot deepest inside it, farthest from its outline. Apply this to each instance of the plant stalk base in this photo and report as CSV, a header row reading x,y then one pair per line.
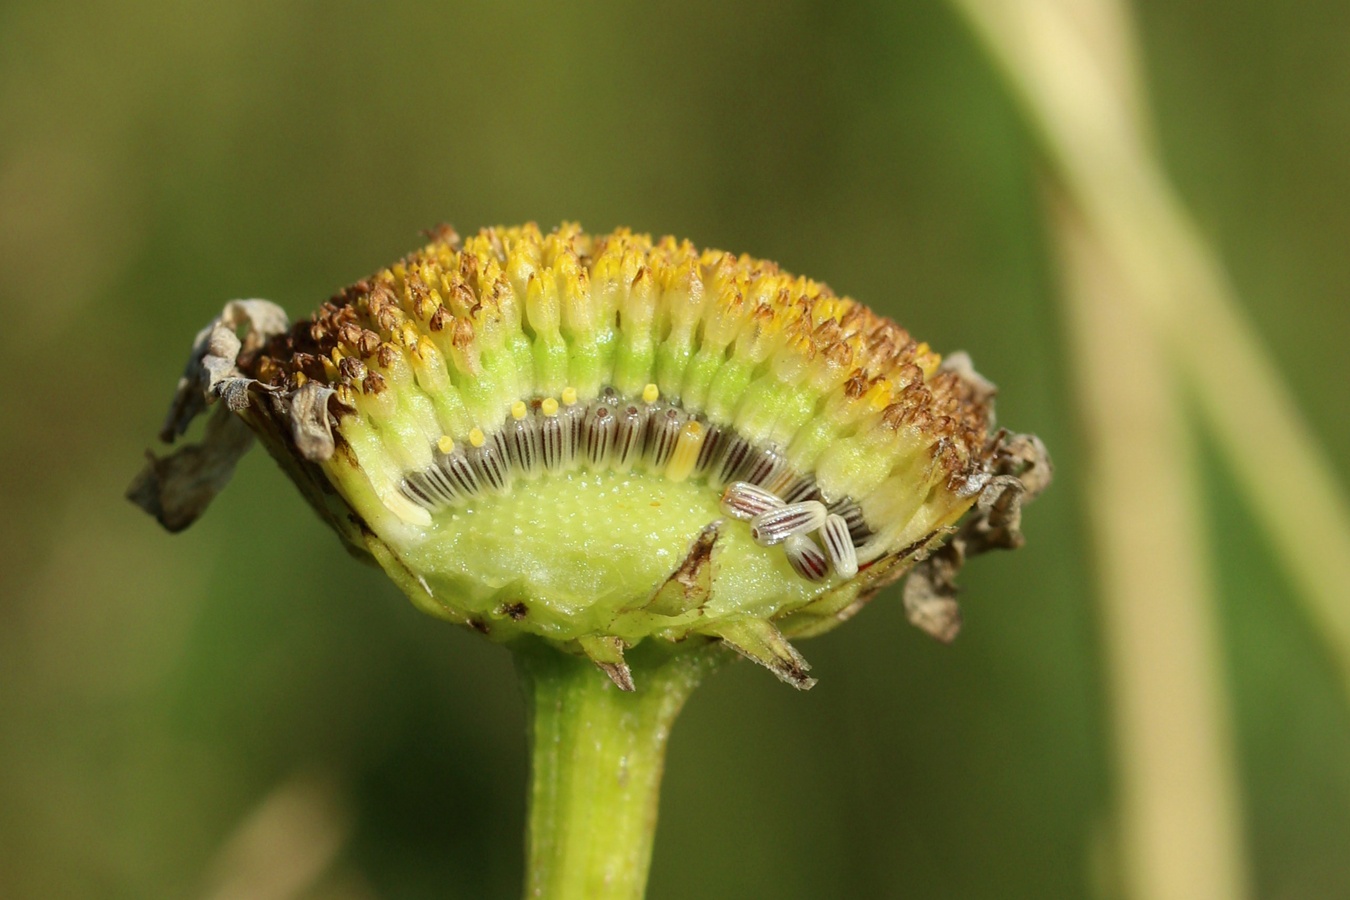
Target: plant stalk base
x,y
597,758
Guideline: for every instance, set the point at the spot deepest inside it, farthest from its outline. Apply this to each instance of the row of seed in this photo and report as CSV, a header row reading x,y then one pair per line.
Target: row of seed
x,y
611,433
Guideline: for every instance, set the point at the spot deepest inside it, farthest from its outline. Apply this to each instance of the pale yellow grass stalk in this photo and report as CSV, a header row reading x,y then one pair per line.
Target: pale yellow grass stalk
x,y
1152,321
1178,819
1072,64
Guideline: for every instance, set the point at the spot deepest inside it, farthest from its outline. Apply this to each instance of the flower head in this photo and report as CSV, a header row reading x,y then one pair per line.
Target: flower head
x,y
602,440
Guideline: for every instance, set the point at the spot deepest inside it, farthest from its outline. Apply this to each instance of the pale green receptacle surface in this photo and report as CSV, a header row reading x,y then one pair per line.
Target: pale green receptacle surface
x,y
583,545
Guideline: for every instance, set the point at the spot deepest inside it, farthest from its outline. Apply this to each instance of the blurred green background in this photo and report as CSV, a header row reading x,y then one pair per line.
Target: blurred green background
x,y
170,705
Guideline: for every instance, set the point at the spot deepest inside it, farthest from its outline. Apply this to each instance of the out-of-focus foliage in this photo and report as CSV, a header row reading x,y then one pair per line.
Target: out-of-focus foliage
x,y
180,714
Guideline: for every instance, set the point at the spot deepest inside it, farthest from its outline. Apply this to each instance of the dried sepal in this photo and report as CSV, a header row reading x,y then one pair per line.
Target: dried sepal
x,y
759,640
606,651
690,585
1021,470
214,358
929,596
177,488
311,426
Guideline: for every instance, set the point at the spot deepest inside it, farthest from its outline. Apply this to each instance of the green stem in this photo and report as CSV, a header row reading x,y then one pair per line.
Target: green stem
x,y
598,755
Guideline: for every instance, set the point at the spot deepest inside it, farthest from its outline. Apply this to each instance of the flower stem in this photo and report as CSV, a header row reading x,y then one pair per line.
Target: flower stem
x,y
597,758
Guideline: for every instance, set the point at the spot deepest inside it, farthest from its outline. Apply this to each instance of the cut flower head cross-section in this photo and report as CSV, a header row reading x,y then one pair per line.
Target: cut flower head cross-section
x,y
605,440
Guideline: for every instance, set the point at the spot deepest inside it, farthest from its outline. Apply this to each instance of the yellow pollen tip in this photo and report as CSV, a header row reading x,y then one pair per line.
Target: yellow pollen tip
x,y
519,410
569,396
650,393
445,444
477,438
549,406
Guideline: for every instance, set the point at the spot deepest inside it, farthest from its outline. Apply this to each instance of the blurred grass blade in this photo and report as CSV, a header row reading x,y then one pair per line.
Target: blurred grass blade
x,y
285,846
1178,811
1072,64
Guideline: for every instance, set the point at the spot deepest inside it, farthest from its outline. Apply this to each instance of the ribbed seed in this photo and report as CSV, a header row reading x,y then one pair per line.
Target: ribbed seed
x,y
498,440
735,452
628,438
490,465
712,443
803,488
806,558
523,441
435,481
551,435
663,430
852,514
764,467
462,473
598,430
776,525
839,545
410,489
571,416
743,500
